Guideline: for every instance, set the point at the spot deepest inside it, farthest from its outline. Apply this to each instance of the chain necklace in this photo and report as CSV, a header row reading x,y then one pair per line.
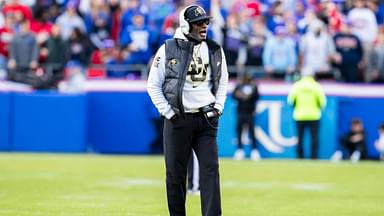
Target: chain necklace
x,y
195,56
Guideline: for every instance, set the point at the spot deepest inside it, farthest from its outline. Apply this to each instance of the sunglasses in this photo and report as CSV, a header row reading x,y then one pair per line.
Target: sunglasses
x,y
201,22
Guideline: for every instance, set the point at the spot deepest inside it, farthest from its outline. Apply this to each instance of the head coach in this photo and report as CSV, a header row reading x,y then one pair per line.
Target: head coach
x,y
188,85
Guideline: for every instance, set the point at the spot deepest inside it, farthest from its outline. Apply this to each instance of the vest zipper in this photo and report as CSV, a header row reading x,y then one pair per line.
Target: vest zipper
x,y
182,80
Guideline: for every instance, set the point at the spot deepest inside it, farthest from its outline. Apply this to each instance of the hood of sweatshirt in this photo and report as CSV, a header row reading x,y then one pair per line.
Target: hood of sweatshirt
x,y
179,34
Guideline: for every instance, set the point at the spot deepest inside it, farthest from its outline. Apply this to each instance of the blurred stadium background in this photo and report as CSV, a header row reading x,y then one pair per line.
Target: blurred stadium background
x,y
83,92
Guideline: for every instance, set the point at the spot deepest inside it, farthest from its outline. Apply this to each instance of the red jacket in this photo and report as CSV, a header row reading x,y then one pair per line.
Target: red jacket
x,y
6,35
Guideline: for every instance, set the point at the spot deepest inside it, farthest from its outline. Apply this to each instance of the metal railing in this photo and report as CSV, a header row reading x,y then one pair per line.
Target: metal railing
x,y
234,71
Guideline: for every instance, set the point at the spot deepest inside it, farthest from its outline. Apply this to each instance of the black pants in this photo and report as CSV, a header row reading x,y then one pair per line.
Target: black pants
x,y
353,146
180,137
314,131
246,120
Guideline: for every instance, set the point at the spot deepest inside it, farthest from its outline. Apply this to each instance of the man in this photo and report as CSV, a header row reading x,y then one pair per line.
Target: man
x,y
56,50
23,56
246,94
279,55
350,53
364,26
317,49
69,20
308,99
188,85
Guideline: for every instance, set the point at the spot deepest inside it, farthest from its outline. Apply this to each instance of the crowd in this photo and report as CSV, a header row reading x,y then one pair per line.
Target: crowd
x,y
339,39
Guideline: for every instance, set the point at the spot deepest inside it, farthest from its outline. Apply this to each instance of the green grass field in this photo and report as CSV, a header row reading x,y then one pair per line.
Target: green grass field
x,y
76,185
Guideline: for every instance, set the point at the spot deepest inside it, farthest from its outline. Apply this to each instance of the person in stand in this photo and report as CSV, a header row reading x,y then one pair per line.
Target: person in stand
x,y
23,57
187,83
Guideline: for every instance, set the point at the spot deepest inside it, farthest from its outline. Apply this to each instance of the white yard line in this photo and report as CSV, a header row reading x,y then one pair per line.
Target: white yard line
x,y
302,186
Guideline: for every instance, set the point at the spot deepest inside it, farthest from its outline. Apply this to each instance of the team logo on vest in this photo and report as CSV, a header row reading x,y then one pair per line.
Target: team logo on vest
x,y
172,62
198,70
156,62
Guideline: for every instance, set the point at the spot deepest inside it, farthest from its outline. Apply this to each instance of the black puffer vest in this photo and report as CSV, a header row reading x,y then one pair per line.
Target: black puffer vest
x,y
178,56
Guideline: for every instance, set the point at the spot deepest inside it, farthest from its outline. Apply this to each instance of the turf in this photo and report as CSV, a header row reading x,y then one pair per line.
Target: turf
x,y
76,185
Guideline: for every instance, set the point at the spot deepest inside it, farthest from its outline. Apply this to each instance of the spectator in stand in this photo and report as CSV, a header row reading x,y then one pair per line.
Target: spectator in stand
x,y
292,32
300,9
23,55
132,8
100,57
220,13
41,27
233,41
379,143
303,22
275,17
279,56
54,12
350,54
100,30
79,47
332,16
17,8
317,50
56,51
354,142
294,35
41,22
70,20
256,41
364,26
117,66
377,59
40,5
137,40
246,94
172,18
116,8
308,99
6,35
98,22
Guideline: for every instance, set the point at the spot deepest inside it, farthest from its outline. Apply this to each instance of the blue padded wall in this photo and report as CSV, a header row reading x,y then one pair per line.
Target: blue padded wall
x,y
120,122
49,122
5,121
